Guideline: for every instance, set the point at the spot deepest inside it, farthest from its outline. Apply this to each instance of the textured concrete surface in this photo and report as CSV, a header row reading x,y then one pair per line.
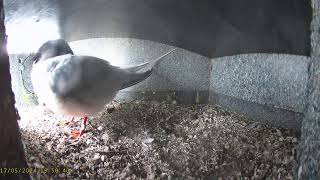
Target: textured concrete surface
x,y
307,162
21,82
275,80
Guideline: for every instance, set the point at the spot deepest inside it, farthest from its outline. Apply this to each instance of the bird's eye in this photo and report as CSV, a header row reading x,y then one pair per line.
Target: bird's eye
x,y
36,58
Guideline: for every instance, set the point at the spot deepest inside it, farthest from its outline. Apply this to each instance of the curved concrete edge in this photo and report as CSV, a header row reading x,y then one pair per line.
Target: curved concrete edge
x,y
181,70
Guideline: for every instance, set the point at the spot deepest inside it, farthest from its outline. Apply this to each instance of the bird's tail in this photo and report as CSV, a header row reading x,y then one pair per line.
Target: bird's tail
x,y
135,78
147,65
142,71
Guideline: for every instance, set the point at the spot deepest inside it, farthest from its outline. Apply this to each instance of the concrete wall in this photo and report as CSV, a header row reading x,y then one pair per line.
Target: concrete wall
x,y
267,87
268,79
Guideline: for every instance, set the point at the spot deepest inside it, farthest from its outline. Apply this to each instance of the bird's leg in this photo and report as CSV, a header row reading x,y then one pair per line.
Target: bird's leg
x,y
77,134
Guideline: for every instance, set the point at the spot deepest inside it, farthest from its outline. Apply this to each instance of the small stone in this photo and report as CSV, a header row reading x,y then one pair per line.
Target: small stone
x,y
127,171
102,158
62,175
148,140
88,141
152,175
291,158
96,157
38,165
49,147
32,158
279,132
266,154
227,146
105,137
163,175
294,140
100,128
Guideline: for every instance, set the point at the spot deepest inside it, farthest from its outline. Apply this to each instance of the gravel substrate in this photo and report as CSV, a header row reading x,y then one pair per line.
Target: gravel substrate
x,y
152,140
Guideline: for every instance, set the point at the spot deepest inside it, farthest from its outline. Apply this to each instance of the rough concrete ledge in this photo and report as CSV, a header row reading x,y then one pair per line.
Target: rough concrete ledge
x,y
181,97
265,114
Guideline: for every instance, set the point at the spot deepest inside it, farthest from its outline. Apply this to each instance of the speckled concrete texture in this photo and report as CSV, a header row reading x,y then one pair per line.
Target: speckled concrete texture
x,y
20,68
276,80
307,162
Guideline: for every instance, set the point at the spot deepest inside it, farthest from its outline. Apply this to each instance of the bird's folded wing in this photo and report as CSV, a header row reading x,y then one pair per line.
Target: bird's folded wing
x,y
86,79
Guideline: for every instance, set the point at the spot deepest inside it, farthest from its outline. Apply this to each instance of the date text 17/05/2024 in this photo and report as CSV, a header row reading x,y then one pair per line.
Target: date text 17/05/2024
x,y
31,170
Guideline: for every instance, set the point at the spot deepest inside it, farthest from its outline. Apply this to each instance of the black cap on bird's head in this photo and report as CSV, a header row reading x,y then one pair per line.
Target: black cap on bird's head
x,y
52,49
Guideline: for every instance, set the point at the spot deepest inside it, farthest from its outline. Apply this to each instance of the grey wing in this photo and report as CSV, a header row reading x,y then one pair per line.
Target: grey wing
x,y
87,80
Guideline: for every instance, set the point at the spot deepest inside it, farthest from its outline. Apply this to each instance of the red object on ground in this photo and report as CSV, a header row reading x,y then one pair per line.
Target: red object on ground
x,y
78,134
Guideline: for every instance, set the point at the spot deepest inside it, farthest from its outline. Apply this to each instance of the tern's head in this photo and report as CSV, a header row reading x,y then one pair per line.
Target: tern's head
x,y
52,49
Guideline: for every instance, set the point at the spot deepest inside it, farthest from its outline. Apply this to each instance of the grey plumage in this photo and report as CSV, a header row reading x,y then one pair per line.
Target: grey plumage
x,y
80,85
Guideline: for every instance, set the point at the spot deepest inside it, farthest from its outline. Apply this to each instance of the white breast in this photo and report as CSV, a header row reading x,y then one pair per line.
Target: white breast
x,y
41,77
41,86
